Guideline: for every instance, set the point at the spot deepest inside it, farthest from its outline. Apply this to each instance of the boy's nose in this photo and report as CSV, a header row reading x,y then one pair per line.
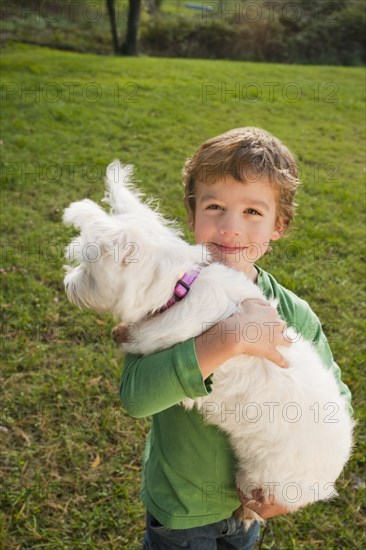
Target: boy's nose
x,y
230,228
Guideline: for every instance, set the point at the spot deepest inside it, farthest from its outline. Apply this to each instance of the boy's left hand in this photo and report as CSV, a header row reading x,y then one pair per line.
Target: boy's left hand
x,y
265,507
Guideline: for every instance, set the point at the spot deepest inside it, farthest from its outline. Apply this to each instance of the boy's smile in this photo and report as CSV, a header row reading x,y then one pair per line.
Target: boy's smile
x,y
236,220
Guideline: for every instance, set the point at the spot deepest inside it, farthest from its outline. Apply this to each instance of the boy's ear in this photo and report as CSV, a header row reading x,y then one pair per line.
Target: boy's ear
x,y
191,221
279,230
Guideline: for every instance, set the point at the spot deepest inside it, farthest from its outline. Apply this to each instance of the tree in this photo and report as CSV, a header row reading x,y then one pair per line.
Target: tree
x,y
112,19
150,6
130,45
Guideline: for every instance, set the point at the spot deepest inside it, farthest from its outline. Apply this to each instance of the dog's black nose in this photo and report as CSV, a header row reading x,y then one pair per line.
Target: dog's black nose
x,y
120,333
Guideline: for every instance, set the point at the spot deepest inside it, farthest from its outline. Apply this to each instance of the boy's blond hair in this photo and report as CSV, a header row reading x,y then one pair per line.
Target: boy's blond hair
x,y
246,154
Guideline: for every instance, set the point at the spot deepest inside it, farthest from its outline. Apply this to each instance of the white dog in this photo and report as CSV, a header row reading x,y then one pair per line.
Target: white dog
x,y
291,431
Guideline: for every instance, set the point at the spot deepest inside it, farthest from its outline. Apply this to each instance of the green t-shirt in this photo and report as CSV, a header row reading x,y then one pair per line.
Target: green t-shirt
x,y
189,466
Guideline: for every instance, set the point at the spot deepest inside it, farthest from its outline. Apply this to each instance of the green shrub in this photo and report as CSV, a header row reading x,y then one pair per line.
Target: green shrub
x,y
337,39
185,37
332,38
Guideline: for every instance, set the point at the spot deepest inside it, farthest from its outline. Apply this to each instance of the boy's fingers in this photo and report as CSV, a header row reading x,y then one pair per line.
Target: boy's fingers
x,y
286,342
286,336
258,301
264,507
279,360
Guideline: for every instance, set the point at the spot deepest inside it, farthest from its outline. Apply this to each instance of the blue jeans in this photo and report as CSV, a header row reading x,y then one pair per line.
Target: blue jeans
x,y
222,535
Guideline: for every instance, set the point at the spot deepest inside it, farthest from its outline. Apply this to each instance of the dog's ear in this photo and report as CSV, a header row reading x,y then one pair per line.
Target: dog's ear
x,y
121,194
116,248
83,212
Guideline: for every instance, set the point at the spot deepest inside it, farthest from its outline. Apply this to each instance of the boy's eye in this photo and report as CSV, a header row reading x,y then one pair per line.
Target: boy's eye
x,y
214,207
252,212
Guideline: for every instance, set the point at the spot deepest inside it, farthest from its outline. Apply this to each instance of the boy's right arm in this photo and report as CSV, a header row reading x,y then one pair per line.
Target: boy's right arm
x,y
236,335
152,383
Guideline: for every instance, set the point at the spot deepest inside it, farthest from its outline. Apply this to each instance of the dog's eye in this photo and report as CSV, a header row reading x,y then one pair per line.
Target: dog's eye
x,y
92,252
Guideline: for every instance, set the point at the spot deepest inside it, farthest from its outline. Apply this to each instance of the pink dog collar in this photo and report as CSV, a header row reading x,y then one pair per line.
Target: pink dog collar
x,y
182,288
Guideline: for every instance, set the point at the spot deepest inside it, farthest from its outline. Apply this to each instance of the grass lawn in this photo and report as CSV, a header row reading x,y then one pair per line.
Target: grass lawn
x,y
71,467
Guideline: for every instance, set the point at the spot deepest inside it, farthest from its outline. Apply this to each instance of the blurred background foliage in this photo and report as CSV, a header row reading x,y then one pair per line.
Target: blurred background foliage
x,y
320,32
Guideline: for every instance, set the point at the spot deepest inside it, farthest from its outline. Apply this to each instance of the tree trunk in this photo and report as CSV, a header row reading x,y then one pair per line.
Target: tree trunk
x,y
113,22
130,46
150,6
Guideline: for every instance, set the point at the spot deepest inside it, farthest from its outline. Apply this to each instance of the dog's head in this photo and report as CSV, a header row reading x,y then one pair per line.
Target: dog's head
x,y
127,260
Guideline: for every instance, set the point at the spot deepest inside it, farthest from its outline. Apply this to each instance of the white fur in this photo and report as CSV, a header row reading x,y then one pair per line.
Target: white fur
x,y
290,428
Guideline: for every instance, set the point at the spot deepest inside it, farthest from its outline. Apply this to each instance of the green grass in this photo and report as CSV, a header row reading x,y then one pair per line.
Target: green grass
x,y
71,468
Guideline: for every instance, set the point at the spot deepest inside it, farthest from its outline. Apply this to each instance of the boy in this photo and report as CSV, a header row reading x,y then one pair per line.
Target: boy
x,y
240,195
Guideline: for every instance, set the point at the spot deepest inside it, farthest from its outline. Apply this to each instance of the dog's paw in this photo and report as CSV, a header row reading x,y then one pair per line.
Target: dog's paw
x,y
248,517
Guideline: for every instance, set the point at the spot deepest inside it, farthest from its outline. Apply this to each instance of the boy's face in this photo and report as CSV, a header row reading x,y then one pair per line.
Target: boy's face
x,y
236,220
